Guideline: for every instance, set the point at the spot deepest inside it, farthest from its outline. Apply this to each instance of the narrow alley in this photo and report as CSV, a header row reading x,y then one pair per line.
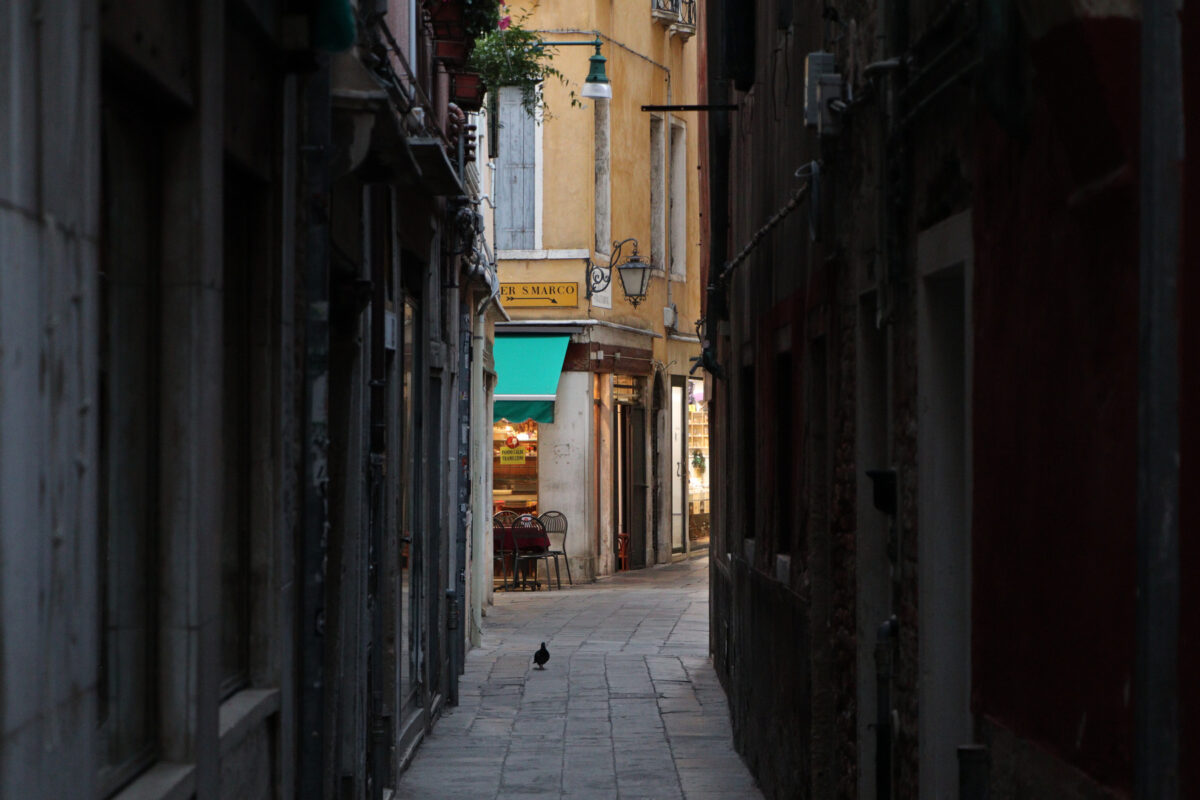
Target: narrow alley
x,y
628,705
842,356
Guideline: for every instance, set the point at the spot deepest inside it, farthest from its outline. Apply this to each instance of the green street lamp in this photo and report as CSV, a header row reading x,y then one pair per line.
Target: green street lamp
x,y
596,86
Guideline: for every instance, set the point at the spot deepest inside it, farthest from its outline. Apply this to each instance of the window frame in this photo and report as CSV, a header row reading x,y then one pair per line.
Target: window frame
x,y
117,117
516,165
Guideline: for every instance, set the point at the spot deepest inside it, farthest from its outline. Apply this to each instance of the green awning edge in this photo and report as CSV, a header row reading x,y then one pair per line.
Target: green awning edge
x,y
528,367
521,410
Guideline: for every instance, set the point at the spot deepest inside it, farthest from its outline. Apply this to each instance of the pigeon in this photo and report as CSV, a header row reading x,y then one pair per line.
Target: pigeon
x,y
541,657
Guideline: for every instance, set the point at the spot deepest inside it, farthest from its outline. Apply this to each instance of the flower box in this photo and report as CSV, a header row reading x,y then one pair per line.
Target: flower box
x,y
468,91
447,19
452,52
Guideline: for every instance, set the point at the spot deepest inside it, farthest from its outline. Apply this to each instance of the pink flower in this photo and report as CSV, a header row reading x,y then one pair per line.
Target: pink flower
x,y
505,22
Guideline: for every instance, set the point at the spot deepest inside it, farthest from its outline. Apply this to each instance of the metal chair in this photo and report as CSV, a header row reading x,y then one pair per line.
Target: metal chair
x,y
507,548
526,554
503,550
622,552
556,522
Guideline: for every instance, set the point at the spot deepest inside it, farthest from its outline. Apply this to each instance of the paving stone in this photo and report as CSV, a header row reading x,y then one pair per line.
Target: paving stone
x,y
627,707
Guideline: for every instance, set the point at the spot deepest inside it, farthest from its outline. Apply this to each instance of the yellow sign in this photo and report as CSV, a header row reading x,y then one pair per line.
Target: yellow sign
x,y
512,455
540,295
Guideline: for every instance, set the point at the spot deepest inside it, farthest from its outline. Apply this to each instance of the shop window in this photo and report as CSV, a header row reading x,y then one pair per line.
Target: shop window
x,y
699,466
627,389
515,466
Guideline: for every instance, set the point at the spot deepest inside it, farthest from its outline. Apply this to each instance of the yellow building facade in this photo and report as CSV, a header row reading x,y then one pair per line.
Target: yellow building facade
x,y
615,458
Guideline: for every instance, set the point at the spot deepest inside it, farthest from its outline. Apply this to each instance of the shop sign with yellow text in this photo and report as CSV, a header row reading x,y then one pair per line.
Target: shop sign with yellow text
x,y
512,455
540,295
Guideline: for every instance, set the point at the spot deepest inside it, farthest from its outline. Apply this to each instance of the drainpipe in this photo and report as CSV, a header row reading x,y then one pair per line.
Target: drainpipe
x,y
885,647
457,613
1156,686
315,152
480,427
892,199
379,217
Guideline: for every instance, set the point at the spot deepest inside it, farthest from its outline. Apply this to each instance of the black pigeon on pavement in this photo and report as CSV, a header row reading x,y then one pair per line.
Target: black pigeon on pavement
x,y
541,656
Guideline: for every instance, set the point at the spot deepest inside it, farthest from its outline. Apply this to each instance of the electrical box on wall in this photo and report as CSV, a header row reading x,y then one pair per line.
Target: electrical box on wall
x,y
815,65
670,317
829,92
389,330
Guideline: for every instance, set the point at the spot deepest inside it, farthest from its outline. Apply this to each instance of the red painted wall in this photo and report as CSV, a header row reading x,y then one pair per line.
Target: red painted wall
x,y
1055,405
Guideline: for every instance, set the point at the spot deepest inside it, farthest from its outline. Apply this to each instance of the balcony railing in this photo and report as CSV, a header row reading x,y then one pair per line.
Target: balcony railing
x,y
675,12
687,12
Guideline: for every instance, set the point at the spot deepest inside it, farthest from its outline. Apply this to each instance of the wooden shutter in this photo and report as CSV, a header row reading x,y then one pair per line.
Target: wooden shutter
x,y
515,175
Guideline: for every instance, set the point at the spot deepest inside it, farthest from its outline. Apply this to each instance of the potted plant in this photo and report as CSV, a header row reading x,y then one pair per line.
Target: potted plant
x,y
698,462
511,55
447,18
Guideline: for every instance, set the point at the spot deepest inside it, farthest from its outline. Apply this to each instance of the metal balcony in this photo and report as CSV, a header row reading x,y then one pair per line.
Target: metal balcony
x,y
679,16
665,11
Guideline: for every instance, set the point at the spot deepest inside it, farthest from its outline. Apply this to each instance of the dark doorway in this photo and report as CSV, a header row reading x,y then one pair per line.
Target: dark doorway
x,y
631,480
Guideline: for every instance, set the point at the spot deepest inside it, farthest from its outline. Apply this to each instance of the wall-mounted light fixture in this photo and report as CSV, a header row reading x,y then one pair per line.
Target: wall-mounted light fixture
x,y
635,273
596,84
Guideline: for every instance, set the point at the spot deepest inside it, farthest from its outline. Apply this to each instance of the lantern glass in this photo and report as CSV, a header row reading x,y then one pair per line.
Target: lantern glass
x,y
597,91
635,275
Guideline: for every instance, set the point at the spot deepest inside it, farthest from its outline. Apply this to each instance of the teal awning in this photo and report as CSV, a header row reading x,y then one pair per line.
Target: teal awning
x,y
527,371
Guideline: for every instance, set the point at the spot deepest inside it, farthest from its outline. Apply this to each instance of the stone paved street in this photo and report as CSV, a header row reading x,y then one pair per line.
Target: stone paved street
x,y
628,707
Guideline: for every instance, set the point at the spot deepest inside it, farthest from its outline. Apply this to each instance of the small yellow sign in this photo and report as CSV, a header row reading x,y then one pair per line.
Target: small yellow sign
x,y
512,455
540,295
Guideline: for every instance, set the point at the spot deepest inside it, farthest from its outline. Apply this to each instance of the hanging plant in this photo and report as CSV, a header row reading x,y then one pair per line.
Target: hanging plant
x,y
511,55
480,17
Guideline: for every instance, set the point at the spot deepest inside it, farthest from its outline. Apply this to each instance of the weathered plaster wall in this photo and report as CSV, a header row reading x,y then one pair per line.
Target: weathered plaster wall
x,y
565,470
646,65
49,238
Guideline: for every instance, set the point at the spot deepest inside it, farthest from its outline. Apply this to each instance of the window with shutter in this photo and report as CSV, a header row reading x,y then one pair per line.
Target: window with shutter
x,y
515,175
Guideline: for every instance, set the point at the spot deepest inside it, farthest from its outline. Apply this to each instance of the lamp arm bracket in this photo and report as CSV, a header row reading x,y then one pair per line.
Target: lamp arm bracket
x,y
598,278
617,247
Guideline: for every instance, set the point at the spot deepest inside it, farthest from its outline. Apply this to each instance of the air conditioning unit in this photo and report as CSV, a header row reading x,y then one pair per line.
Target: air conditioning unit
x,y
815,65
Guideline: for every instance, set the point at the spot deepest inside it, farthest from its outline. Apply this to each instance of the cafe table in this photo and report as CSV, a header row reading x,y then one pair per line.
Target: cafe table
x,y
520,540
